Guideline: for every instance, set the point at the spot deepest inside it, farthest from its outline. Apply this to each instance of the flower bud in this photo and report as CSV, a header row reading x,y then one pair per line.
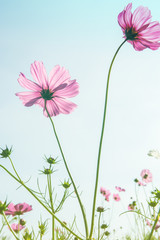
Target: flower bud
x,y
66,184
100,209
152,203
22,222
51,160
3,207
42,227
136,180
104,226
47,171
6,152
107,233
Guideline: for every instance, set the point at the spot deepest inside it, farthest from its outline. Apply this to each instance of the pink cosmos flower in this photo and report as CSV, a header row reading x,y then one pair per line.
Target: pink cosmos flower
x,y
141,183
130,207
53,89
103,191
18,209
138,28
116,197
108,193
119,189
146,175
17,227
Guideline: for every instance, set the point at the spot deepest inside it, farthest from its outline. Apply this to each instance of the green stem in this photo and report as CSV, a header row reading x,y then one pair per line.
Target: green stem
x,y
48,210
51,201
154,225
65,163
102,236
99,219
3,224
14,168
138,218
101,139
9,226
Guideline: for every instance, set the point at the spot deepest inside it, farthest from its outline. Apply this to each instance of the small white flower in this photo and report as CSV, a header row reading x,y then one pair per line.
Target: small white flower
x,y
154,153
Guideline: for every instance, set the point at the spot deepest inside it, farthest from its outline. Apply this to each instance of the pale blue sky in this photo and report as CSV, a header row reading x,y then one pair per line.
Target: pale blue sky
x,y
82,36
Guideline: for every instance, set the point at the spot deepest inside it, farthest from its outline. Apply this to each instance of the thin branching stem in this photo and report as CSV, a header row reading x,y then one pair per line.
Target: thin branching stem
x,y
48,210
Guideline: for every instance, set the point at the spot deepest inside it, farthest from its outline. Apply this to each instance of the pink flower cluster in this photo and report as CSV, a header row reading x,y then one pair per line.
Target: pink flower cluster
x,y
15,210
146,176
106,193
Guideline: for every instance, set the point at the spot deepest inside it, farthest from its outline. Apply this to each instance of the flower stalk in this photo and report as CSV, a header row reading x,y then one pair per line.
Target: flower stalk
x,y
66,166
9,226
51,202
101,140
154,225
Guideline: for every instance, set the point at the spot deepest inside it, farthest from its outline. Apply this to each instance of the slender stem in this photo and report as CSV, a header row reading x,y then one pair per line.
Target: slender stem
x,y
48,210
101,139
154,225
14,168
51,201
99,219
65,163
102,236
138,218
9,226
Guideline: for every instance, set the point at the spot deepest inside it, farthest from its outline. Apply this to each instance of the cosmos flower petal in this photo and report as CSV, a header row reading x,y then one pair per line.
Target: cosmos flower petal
x,y
152,33
65,106
17,227
29,98
151,45
128,15
121,20
141,16
71,90
39,74
52,108
57,76
28,84
10,210
138,46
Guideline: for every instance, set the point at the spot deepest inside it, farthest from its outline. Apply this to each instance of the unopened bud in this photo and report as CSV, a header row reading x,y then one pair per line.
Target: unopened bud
x,y
100,209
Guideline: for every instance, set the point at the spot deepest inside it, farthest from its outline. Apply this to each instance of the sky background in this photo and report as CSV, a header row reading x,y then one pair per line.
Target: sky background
x,y
82,36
